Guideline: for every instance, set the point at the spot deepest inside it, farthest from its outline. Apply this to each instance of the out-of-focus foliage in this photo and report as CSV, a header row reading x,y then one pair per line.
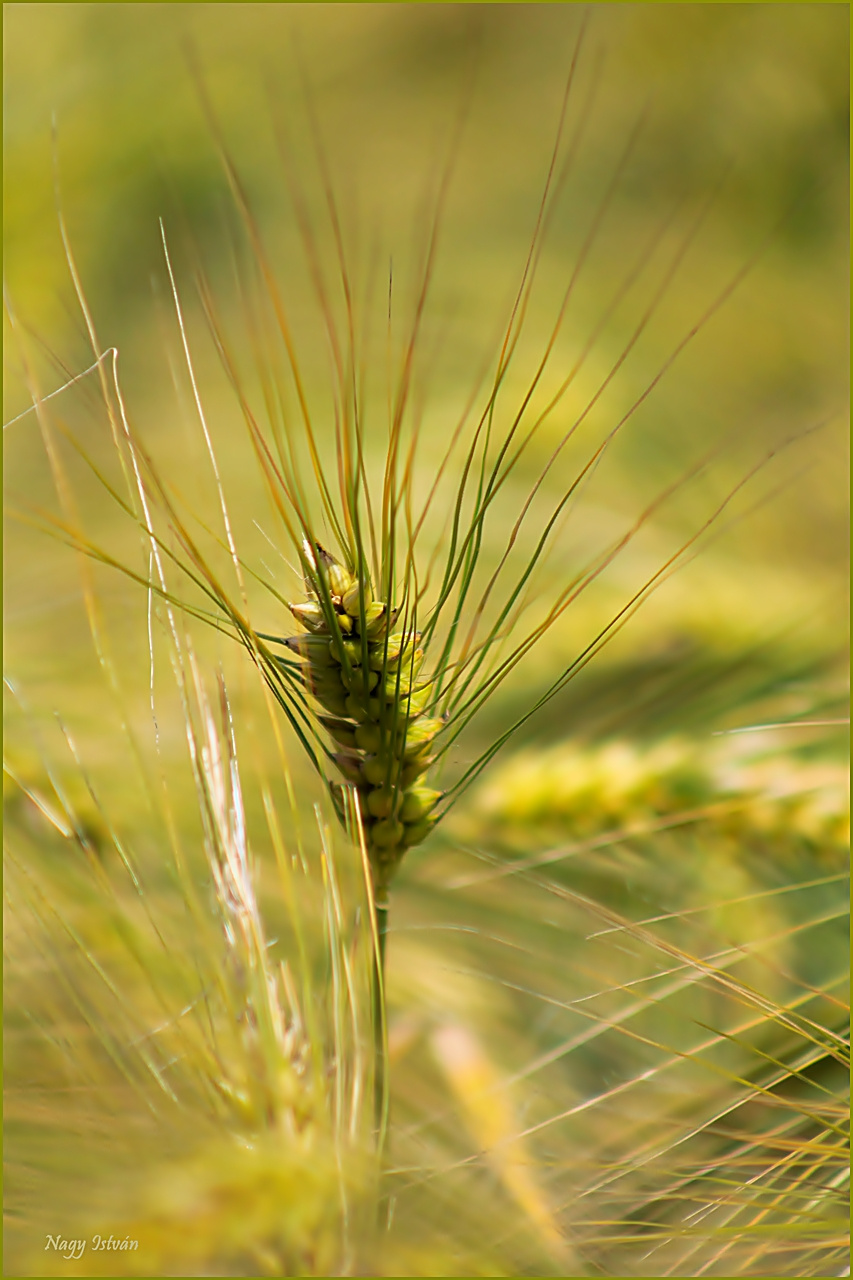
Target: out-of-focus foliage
x,y
617,976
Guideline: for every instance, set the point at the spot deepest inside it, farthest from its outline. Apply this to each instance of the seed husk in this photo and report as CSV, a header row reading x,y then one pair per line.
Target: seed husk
x,y
351,598
322,680
412,705
386,833
380,802
369,738
399,645
376,620
337,576
374,708
333,701
363,711
310,615
413,769
355,681
313,647
352,649
417,831
374,770
354,709
417,803
343,731
399,684
419,735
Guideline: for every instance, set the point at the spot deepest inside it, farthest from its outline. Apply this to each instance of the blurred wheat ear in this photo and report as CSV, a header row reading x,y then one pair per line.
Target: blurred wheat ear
x,y
250,1077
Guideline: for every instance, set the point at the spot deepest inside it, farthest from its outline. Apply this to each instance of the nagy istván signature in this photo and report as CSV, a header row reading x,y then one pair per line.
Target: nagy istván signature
x,y
74,1249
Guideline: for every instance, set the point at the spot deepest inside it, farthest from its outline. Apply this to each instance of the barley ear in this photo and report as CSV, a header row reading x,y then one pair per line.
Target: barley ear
x,y
374,702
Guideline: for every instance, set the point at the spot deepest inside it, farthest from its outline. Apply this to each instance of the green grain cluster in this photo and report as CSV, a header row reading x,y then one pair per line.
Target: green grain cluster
x,y
373,702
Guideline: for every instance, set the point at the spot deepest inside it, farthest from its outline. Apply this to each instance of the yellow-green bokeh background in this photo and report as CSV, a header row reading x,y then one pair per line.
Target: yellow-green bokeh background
x,y
757,91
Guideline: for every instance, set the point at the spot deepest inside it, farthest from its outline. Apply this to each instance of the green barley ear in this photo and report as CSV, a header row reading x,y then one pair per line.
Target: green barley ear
x,y
369,695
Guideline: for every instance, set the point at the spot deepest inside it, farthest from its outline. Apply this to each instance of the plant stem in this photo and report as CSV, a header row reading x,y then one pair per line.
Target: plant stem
x,y
380,1033
380,1086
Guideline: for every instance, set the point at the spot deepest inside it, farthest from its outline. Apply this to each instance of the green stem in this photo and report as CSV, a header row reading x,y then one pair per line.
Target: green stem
x,y
380,1087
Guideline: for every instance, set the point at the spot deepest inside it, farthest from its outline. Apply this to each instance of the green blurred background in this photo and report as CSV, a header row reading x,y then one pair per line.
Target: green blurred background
x,y
756,92
753,631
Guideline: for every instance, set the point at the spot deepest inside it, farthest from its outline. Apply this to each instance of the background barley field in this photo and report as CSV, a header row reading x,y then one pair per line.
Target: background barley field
x,y
617,972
